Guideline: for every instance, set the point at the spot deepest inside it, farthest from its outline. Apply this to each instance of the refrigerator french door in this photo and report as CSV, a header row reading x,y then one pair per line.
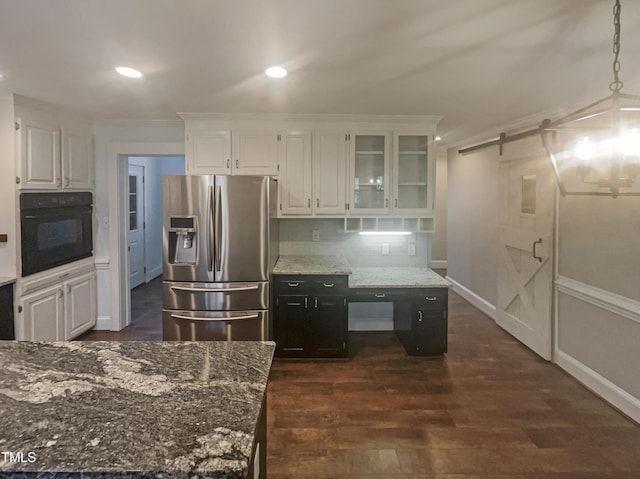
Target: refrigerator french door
x,y
219,247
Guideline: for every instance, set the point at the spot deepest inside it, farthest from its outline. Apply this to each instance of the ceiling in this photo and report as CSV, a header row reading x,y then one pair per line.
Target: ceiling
x,y
481,64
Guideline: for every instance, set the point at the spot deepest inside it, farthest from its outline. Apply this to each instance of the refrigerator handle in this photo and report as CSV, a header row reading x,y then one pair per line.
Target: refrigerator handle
x,y
210,246
218,222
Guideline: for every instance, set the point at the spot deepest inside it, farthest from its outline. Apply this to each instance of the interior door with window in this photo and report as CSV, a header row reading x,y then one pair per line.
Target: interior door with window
x,y
136,225
525,266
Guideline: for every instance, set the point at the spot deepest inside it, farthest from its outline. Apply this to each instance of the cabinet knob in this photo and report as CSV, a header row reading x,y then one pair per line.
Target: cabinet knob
x,y
308,202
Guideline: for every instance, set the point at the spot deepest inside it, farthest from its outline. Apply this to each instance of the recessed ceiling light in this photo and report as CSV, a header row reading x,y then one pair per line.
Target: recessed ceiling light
x,y
129,72
438,138
276,72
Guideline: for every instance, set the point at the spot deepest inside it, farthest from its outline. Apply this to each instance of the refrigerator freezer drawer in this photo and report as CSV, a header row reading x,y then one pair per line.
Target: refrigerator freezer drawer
x,y
215,325
215,296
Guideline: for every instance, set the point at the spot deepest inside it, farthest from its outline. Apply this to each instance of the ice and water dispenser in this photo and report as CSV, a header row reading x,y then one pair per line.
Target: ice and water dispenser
x,y
183,240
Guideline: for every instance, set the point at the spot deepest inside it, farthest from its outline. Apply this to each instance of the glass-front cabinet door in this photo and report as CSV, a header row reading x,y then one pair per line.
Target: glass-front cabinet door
x,y
370,182
412,174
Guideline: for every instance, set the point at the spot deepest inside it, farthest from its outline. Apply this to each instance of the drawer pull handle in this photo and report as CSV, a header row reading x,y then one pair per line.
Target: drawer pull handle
x,y
293,285
419,316
431,298
379,295
294,304
328,285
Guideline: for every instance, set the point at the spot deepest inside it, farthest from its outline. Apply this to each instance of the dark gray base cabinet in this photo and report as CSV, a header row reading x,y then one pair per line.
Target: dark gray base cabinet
x,y
419,316
7,330
310,316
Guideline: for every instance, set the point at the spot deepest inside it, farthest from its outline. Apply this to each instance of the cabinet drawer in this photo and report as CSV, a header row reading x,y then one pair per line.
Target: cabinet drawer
x,y
314,284
378,295
433,299
292,285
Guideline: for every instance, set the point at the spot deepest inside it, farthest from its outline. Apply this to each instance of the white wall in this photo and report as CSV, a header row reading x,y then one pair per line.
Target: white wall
x,y
128,138
472,226
8,209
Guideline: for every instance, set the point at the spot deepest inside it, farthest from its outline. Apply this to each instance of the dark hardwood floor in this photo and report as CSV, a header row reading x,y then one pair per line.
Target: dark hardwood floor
x,y
491,409
146,317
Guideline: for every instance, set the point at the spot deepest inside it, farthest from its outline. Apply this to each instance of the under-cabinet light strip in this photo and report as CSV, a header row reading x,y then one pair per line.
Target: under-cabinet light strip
x,y
379,233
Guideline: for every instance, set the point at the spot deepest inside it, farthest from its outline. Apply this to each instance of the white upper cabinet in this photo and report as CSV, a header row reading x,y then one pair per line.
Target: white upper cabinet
x,y
40,154
355,166
329,172
214,151
77,160
294,180
254,152
369,172
56,151
208,152
312,184
413,174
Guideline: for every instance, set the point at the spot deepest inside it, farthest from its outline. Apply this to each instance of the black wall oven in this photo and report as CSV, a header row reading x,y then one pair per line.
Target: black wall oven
x,y
56,228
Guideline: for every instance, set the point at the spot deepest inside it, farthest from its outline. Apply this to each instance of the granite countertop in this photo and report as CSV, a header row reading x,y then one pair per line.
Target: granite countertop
x,y
4,280
396,277
130,409
311,264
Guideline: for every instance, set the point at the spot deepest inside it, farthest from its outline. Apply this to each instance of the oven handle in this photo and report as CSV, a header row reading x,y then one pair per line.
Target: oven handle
x,y
214,290
198,318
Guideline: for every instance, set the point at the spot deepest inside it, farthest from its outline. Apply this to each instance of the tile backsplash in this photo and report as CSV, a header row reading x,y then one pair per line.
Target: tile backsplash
x,y
296,237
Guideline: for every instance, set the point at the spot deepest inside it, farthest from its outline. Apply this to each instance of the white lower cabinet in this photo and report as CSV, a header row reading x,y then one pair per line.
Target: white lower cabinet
x,y
57,307
43,315
80,304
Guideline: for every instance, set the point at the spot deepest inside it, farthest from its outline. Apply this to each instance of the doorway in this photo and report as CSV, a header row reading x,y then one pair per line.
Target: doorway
x,y
141,200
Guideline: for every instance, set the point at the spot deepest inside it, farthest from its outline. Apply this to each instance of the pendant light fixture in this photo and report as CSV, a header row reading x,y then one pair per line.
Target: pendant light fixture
x,y
600,142
594,151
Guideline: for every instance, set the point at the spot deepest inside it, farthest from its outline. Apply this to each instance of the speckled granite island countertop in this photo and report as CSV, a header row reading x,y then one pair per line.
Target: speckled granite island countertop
x,y
395,277
130,409
311,264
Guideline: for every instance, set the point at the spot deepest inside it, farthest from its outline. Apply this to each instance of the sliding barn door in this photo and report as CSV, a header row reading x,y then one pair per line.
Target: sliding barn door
x,y
525,260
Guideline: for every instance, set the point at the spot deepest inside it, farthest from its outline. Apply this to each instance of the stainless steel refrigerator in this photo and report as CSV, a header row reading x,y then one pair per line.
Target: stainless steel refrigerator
x,y
219,247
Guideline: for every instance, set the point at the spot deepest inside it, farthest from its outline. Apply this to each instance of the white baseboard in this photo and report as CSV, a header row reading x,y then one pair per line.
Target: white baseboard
x,y
438,264
154,273
482,304
617,397
103,323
